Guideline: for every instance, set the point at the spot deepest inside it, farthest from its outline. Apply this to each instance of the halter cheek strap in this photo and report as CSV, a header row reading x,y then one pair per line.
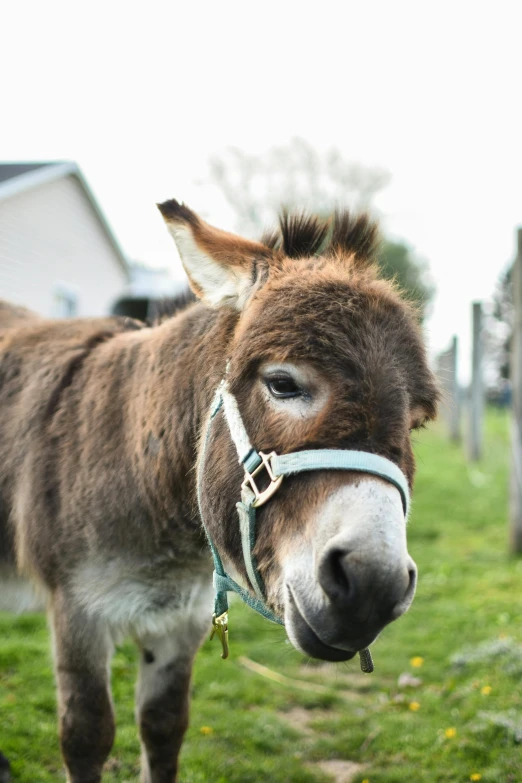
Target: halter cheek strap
x,y
276,468
250,459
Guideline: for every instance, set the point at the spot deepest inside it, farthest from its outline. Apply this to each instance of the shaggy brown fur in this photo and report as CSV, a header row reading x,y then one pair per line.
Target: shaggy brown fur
x,y
100,420
12,316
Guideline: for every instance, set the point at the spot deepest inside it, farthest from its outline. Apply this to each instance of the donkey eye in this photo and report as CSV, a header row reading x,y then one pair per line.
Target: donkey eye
x,y
283,387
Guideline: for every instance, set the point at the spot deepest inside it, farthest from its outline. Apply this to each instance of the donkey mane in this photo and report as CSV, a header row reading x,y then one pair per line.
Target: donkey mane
x,y
355,234
302,234
169,306
298,235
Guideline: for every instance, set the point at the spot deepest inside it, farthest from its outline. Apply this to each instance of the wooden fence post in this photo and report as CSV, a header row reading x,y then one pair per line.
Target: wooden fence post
x,y
515,501
454,391
476,401
446,369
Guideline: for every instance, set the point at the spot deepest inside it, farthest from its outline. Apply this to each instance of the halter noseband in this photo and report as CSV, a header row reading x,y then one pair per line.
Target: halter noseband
x,y
277,467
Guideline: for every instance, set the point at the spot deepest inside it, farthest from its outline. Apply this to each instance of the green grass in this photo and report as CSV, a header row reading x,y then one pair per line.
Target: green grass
x,y
466,625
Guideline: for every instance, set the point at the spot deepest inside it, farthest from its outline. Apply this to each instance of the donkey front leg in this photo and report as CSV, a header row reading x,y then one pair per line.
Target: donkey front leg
x,y
83,650
163,701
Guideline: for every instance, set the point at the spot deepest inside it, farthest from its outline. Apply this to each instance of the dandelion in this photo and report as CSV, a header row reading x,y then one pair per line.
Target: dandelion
x,y
450,733
485,691
475,776
206,730
417,661
414,706
366,780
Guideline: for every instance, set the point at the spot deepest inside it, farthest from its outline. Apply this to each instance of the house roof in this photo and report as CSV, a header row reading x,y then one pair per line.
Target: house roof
x,y
18,177
11,170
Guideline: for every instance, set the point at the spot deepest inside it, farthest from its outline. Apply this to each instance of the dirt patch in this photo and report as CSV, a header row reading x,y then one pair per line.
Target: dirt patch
x,y
299,718
340,771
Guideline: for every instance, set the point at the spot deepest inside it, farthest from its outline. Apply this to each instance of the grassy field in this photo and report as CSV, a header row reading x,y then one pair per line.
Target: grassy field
x,y
444,703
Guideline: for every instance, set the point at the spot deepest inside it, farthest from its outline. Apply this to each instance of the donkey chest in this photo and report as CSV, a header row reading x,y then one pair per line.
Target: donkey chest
x,y
142,599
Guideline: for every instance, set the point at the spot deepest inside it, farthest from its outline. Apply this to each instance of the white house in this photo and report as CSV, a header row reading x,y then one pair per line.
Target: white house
x,y
58,255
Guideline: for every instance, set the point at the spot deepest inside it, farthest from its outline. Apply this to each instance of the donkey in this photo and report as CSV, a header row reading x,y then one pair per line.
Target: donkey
x,y
111,431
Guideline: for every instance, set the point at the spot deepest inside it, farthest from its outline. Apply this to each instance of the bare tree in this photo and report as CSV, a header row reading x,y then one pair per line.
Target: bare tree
x,y
297,176
294,175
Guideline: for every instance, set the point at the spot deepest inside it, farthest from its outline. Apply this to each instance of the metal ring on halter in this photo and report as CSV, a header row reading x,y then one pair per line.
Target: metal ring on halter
x,y
261,496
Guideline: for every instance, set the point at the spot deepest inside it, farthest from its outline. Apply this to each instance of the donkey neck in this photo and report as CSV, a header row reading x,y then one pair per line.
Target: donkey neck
x,y
181,363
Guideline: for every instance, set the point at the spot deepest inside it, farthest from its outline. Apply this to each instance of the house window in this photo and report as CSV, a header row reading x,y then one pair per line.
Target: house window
x,y
65,302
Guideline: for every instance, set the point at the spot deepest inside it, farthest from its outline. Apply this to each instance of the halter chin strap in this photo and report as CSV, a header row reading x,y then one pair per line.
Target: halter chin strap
x,y
276,467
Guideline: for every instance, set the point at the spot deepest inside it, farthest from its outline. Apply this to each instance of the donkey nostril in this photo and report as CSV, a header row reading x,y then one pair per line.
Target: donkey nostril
x,y
335,577
409,592
339,571
412,581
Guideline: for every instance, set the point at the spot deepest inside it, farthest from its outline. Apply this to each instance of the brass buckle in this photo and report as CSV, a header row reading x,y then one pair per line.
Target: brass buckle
x,y
275,481
220,627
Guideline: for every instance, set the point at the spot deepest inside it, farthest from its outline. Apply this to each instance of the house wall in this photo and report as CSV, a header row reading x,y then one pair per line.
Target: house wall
x,y
53,250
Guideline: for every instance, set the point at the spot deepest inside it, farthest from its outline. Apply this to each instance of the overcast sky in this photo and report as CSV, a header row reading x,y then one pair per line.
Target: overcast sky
x,y
140,94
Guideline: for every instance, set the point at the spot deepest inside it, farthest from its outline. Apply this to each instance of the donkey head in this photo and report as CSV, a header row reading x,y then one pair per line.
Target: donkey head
x,y
321,354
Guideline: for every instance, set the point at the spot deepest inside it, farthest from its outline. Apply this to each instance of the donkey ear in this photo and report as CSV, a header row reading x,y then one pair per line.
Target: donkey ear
x,y
220,266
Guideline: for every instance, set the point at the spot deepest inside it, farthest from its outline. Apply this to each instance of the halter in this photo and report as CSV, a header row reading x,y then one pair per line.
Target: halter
x,y
276,467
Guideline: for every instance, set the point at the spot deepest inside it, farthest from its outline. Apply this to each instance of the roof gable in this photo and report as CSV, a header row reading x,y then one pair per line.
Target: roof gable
x,y
18,177
12,170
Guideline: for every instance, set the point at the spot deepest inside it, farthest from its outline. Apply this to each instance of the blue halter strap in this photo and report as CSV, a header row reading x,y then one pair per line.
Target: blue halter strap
x,y
276,467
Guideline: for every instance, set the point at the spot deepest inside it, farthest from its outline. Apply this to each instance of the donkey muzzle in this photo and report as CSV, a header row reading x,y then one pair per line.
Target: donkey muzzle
x,y
361,576
360,604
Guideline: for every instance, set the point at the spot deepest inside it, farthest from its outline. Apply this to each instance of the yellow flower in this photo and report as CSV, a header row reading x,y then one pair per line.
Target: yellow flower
x,y
485,691
206,730
414,706
417,661
475,776
450,733
366,780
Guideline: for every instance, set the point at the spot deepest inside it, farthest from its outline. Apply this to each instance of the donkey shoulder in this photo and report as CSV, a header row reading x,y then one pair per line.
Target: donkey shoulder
x,y
38,361
12,315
